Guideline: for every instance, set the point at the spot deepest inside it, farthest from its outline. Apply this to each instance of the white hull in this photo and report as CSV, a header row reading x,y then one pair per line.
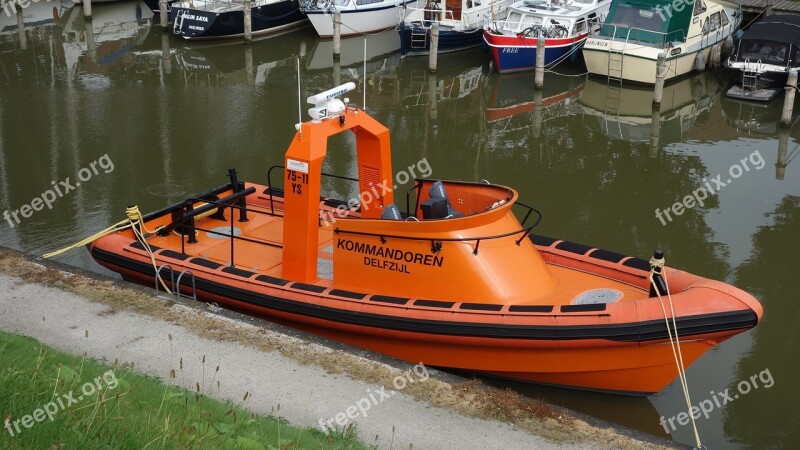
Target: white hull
x,y
641,67
355,22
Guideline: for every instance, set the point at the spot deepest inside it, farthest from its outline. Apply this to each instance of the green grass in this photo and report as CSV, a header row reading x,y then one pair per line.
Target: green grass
x,y
128,410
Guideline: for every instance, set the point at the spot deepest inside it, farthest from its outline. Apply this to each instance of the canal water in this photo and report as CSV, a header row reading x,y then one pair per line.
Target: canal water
x,y
161,119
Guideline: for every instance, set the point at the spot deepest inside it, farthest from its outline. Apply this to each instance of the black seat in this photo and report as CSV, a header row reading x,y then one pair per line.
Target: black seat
x,y
438,191
391,212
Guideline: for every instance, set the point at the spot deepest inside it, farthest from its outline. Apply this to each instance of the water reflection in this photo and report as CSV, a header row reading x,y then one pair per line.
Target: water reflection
x,y
174,115
626,113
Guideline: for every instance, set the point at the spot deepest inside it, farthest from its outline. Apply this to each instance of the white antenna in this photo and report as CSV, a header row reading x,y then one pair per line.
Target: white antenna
x,y
299,104
364,105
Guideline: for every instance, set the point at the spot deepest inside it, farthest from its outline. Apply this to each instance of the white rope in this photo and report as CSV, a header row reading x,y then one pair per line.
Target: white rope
x,y
675,344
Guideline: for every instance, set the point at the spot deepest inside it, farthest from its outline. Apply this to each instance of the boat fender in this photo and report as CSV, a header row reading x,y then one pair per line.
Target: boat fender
x,y
700,62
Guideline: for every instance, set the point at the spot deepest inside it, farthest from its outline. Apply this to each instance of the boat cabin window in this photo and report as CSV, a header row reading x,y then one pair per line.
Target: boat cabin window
x,y
367,2
518,22
712,23
341,2
796,59
768,52
699,7
580,26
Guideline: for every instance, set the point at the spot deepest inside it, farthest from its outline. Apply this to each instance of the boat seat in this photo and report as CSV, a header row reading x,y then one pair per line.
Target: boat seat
x,y
391,212
438,191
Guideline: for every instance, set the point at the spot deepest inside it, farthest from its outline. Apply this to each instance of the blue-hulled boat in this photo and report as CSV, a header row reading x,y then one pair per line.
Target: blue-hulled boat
x,y
460,23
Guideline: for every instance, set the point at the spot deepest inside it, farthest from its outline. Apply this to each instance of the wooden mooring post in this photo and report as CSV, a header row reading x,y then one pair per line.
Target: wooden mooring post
x,y
788,100
538,77
248,22
433,55
23,39
768,11
337,34
163,15
87,8
661,74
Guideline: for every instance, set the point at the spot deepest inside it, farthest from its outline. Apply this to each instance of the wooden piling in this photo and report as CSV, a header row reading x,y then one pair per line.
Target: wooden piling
x,y
788,100
23,38
433,55
337,34
248,22
163,15
337,72
768,11
661,74
539,74
87,8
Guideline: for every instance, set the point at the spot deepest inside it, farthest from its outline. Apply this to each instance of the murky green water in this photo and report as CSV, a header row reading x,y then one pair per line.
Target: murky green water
x,y
172,117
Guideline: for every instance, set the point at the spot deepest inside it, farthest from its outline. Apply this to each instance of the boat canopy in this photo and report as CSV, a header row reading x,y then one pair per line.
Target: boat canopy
x,y
647,21
774,40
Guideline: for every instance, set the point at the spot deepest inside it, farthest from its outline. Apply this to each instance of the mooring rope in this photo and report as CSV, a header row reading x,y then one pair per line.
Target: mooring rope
x,y
134,221
675,344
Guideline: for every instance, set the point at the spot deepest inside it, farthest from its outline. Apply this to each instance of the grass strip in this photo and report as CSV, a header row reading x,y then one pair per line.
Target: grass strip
x,y
52,400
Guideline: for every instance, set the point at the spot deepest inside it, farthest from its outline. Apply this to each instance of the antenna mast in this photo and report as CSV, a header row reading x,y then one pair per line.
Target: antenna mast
x,y
364,103
299,104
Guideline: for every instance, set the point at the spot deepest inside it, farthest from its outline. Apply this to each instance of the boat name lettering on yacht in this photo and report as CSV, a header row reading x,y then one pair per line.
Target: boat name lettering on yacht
x,y
597,42
510,50
196,18
389,253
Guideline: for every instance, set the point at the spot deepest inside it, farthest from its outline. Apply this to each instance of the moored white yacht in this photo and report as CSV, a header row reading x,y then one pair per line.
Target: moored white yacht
x,y
636,31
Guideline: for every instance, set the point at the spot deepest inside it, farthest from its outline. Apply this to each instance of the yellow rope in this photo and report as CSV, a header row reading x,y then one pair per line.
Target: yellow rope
x,y
675,345
134,219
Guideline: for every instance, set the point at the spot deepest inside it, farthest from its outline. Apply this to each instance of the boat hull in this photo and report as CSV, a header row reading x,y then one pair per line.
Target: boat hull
x,y
640,68
617,347
356,22
518,53
449,40
267,19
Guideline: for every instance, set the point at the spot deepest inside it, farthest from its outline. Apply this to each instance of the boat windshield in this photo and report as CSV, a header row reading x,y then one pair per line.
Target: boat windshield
x,y
767,52
646,21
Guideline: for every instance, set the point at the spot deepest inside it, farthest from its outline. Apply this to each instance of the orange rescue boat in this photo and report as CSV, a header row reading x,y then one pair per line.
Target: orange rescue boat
x,y
457,281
